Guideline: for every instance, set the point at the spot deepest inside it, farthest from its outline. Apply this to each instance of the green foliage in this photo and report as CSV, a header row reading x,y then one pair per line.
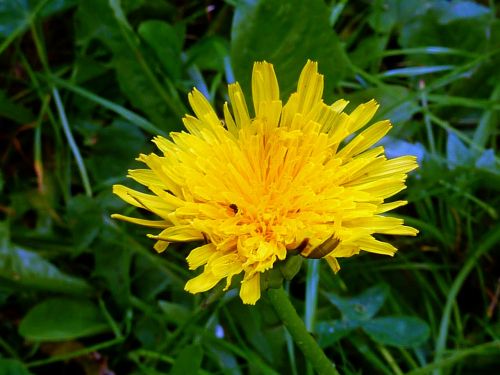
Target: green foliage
x,y
273,31
60,319
85,84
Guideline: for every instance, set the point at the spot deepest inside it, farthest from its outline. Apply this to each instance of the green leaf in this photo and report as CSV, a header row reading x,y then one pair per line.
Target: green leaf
x,y
388,13
29,270
363,306
106,21
329,332
400,331
286,33
115,148
208,53
113,260
16,15
62,319
12,367
166,42
85,219
188,361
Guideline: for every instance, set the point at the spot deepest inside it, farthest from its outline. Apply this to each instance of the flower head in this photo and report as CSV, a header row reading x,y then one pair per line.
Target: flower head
x,y
259,189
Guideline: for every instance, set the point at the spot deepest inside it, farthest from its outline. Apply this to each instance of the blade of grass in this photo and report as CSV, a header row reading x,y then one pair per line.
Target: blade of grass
x,y
134,118
427,121
415,71
488,121
76,353
488,242
430,50
456,357
445,125
311,300
72,144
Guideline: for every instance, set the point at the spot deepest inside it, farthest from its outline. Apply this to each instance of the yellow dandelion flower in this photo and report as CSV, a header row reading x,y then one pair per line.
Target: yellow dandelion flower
x,y
258,189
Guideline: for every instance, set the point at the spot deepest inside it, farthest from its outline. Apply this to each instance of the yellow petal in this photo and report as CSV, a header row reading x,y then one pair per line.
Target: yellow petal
x,y
339,105
264,85
333,263
202,283
309,88
161,246
374,246
239,105
365,139
390,206
203,109
178,233
229,120
146,223
362,115
250,289
199,256
142,200
226,265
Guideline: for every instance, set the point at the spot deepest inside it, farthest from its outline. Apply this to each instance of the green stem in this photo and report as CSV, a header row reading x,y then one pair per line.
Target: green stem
x,y
294,324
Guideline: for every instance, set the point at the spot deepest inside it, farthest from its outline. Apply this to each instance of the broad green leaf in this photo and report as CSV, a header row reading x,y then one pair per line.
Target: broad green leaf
x,y
115,148
12,367
85,219
188,361
368,52
286,33
329,332
29,270
106,21
386,14
17,14
208,53
62,319
362,307
113,260
166,41
401,331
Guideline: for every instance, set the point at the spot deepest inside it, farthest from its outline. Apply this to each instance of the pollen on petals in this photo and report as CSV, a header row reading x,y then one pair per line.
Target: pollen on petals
x,y
254,189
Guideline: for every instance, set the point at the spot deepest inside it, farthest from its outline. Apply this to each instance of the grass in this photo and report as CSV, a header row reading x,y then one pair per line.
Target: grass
x,y
85,84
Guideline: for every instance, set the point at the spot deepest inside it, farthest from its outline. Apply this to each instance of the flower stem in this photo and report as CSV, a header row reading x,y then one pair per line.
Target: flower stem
x,y
294,324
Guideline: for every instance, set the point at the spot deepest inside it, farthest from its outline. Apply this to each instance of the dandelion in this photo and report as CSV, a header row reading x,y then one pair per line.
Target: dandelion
x,y
303,177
